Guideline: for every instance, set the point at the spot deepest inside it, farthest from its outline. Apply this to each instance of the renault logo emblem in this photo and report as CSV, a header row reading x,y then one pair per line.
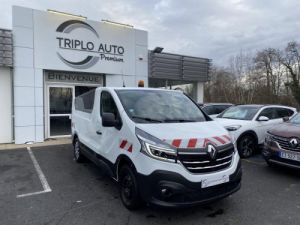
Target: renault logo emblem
x,y
293,143
212,151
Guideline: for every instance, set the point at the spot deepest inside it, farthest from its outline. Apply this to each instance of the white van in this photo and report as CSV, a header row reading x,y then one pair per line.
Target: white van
x,y
157,144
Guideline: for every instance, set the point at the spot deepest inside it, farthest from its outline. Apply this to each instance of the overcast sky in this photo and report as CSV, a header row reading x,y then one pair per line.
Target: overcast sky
x,y
215,29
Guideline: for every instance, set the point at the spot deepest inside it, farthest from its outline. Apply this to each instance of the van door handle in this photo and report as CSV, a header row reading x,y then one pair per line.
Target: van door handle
x,y
99,132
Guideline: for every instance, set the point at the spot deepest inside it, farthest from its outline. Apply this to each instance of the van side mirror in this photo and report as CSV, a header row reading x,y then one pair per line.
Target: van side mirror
x,y
285,119
263,118
109,120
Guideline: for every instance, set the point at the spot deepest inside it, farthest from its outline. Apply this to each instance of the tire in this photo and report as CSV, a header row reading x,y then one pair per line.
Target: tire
x,y
246,146
129,190
78,156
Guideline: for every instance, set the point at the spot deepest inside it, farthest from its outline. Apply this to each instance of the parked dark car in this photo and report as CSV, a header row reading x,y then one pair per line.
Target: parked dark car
x,y
214,109
282,144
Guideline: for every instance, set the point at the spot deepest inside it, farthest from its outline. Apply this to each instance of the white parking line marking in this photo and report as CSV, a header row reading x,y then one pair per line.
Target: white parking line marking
x,y
41,175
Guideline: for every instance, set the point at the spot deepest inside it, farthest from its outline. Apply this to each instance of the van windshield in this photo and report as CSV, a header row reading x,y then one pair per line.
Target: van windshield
x,y
158,106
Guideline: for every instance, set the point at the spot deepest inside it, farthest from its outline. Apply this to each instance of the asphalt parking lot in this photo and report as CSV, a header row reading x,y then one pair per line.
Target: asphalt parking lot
x,y
83,194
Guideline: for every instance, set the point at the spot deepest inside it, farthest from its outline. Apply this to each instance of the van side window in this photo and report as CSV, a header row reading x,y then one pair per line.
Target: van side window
x,y
85,102
108,104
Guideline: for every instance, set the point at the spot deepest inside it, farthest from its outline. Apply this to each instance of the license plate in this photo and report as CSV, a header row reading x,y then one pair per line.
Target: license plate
x,y
214,181
291,156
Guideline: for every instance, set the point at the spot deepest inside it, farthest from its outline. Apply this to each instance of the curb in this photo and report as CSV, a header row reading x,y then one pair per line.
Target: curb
x,y
50,142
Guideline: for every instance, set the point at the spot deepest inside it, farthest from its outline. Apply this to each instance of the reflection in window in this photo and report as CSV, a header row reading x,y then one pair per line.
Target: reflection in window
x,y
188,87
60,125
60,100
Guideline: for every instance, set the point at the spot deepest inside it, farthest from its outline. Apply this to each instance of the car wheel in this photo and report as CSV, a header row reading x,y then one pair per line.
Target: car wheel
x,y
129,191
246,146
77,151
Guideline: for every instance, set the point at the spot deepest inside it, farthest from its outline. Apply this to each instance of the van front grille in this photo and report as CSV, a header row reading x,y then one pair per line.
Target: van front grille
x,y
199,160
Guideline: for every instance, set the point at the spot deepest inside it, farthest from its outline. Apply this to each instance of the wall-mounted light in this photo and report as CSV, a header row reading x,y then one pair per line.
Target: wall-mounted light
x,y
117,23
66,14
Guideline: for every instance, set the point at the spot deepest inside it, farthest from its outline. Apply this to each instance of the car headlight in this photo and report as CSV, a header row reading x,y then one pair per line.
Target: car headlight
x,y
233,127
155,148
268,138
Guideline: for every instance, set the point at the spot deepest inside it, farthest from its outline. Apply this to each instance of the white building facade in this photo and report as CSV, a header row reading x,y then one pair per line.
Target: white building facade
x,y
57,57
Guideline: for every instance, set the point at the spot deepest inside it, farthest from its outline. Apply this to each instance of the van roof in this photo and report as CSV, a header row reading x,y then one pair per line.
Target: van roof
x,y
137,88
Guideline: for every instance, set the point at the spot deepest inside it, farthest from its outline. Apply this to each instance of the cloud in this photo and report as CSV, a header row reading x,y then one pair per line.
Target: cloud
x,y
214,29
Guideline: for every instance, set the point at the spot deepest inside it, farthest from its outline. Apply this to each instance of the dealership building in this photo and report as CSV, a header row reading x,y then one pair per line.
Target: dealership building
x,y
49,58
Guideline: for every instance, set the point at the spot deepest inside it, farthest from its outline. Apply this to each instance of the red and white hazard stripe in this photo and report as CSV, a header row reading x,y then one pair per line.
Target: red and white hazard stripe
x,y
228,138
199,142
125,145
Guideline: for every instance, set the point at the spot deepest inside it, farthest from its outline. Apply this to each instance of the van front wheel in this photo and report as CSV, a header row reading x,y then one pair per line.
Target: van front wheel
x,y
129,191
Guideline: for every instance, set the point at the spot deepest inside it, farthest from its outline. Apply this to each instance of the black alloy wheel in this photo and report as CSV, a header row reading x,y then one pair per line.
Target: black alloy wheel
x,y
129,191
246,146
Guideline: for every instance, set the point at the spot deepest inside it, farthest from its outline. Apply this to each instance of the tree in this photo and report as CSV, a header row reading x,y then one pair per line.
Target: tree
x,y
268,76
220,86
290,59
270,70
242,67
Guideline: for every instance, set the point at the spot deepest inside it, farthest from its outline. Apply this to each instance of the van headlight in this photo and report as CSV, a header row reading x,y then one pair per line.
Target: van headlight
x,y
233,140
155,148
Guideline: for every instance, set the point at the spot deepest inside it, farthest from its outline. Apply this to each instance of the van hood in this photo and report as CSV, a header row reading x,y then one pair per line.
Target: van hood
x,y
188,135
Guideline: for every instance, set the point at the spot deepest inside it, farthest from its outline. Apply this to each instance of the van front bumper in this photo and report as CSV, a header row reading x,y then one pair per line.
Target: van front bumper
x,y
170,189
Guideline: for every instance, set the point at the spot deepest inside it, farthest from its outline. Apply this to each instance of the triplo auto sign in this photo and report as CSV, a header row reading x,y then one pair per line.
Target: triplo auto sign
x,y
96,49
65,43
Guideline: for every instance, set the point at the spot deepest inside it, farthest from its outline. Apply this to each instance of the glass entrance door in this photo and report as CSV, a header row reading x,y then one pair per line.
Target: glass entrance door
x,y
60,106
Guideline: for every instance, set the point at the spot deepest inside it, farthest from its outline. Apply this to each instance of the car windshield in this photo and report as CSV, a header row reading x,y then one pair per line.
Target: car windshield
x,y
241,112
158,106
295,119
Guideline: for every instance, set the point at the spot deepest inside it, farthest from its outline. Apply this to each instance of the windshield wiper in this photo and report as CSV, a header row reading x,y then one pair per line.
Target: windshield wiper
x,y
147,119
178,120
232,118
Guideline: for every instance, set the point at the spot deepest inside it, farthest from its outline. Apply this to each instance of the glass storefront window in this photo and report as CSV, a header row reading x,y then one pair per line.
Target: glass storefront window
x,y
60,125
60,100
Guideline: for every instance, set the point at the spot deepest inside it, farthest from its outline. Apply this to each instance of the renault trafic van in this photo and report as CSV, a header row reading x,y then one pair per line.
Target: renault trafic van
x,y
157,144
